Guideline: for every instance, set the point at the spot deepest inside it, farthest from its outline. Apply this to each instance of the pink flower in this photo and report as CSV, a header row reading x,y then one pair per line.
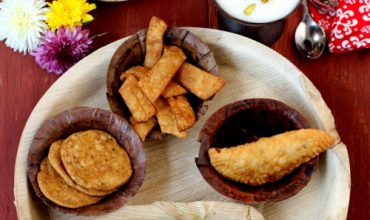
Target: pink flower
x,y
60,50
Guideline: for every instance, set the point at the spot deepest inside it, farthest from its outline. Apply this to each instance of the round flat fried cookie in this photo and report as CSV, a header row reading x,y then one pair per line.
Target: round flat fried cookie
x,y
55,189
56,162
94,160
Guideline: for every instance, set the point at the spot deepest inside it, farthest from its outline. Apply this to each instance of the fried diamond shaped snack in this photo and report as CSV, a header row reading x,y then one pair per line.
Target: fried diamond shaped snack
x,y
137,102
143,128
157,78
173,89
154,41
166,119
199,82
138,71
182,111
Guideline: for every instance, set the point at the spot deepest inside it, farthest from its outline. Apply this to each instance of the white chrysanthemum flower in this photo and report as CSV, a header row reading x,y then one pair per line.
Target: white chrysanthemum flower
x,y
22,23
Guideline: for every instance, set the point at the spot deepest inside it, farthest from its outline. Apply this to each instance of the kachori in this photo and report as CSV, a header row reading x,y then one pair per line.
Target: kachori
x,y
56,162
58,191
94,160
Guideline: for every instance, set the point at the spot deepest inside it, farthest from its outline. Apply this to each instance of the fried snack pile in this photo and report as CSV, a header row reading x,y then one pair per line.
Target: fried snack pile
x,y
156,92
269,159
83,168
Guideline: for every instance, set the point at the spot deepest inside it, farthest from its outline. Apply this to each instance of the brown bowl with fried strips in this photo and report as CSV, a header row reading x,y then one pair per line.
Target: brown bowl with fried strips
x,y
132,53
246,121
80,120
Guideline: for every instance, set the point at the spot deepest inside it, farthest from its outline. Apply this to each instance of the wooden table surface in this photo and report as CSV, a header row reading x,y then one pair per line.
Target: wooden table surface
x,y
343,79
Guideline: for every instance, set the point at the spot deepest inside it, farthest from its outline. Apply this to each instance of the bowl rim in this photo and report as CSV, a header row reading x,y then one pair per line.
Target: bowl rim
x,y
74,120
202,56
243,192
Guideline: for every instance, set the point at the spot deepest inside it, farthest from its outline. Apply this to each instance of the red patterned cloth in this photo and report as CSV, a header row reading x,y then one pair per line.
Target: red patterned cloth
x,y
348,27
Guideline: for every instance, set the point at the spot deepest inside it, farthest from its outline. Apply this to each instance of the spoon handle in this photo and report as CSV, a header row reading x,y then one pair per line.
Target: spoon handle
x,y
306,14
305,7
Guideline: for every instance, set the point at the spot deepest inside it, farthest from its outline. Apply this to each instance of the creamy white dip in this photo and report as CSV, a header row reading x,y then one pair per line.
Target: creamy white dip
x,y
272,10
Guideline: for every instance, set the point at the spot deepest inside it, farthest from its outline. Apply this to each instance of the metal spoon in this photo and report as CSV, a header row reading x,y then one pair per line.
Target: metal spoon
x,y
309,37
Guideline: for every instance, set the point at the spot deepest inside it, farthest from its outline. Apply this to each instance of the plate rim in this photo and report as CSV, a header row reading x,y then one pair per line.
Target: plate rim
x,y
340,149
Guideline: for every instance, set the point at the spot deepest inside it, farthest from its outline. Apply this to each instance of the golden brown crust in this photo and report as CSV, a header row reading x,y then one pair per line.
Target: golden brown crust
x,y
199,82
94,160
138,71
154,41
143,128
166,119
182,111
269,159
173,89
58,191
132,52
137,102
157,78
55,161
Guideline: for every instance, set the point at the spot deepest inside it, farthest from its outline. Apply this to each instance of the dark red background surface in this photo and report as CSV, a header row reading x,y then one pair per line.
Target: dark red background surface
x,y
343,80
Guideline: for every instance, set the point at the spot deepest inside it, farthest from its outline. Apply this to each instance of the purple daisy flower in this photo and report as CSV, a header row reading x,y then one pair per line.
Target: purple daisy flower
x,y
59,50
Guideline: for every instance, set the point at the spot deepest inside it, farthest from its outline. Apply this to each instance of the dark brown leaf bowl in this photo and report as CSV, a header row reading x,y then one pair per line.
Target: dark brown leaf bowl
x,y
84,118
246,121
132,52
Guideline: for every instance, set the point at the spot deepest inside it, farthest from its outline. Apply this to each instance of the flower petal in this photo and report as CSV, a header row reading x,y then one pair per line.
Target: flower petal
x,y
22,24
69,13
61,49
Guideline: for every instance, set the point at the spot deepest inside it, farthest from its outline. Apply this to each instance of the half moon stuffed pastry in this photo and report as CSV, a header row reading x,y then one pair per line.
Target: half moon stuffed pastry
x,y
269,159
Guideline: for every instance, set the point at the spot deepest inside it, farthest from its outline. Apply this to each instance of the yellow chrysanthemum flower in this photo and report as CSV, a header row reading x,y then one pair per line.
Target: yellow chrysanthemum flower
x,y
69,13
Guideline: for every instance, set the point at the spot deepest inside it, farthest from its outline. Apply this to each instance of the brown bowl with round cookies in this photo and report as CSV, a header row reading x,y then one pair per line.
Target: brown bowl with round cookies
x,y
259,150
161,79
86,161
